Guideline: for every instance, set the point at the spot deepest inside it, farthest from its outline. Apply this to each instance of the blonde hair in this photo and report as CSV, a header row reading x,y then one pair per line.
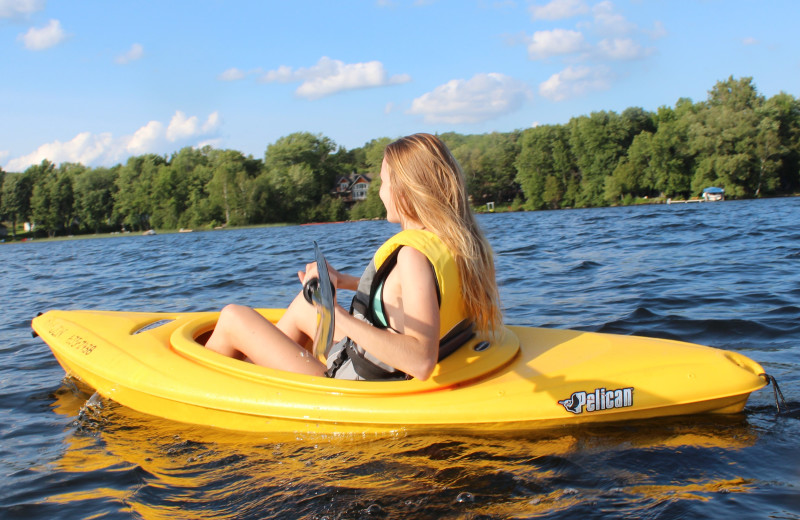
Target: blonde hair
x,y
428,187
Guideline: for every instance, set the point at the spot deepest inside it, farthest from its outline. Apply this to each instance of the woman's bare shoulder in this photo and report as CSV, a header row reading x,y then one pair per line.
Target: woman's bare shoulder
x,y
412,262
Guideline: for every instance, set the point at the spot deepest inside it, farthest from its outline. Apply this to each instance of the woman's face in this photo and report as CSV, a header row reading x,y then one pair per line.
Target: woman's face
x,y
386,195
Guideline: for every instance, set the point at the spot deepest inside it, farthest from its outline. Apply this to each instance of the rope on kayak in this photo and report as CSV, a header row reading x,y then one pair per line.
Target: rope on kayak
x,y
776,390
34,333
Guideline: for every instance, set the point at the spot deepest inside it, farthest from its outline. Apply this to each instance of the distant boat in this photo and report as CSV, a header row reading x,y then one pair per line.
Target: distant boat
x,y
712,194
149,232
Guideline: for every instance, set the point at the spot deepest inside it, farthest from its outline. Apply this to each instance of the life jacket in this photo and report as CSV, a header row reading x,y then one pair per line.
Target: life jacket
x,y
347,360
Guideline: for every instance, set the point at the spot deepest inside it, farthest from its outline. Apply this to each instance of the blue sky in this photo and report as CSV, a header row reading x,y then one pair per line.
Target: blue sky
x,y
96,81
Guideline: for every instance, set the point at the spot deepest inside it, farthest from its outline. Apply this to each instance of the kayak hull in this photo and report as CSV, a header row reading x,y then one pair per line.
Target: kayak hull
x,y
528,378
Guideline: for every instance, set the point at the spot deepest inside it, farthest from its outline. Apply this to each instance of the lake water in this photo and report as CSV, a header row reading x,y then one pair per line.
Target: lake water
x,y
723,274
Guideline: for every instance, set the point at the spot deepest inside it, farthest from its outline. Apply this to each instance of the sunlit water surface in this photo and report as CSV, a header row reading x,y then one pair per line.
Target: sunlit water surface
x,y
724,274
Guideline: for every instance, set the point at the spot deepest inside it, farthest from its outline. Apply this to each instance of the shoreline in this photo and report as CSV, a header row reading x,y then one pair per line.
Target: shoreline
x,y
481,211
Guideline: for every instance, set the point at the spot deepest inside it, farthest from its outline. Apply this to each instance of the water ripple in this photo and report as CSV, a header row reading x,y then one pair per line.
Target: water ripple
x,y
721,274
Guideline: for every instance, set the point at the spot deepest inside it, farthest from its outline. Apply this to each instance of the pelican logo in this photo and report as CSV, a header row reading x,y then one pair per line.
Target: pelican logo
x,y
600,399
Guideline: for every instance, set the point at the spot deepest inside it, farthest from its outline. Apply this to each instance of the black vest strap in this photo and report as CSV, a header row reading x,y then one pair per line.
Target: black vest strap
x,y
370,371
458,335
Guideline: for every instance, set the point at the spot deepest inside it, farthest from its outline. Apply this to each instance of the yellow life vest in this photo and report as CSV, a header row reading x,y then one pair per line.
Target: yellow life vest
x,y
448,281
347,360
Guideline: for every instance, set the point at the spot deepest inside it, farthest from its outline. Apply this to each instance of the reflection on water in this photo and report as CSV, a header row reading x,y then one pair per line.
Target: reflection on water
x,y
160,469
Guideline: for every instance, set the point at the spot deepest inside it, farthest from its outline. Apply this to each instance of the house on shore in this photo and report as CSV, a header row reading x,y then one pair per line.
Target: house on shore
x,y
352,188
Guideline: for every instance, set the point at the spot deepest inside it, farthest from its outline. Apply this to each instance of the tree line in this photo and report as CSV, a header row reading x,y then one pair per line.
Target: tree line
x,y
736,139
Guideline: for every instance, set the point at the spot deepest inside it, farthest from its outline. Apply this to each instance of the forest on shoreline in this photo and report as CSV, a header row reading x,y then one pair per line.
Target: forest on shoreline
x,y
736,139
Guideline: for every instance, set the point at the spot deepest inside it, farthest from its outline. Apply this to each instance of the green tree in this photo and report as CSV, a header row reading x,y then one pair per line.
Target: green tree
x,y
231,186
724,137
546,169
769,151
309,150
94,197
134,202
598,142
373,156
295,187
631,177
200,210
53,199
17,191
38,172
671,160
488,163
784,109
177,187
2,181
169,197
372,207
265,200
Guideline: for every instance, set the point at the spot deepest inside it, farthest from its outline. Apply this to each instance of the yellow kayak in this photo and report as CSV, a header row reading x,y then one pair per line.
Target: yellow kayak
x,y
529,378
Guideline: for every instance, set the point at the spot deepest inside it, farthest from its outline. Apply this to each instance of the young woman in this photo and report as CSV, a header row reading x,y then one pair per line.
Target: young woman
x,y
433,281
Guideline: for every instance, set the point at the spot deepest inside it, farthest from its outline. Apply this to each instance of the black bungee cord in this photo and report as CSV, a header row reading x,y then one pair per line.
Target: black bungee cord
x,y
779,399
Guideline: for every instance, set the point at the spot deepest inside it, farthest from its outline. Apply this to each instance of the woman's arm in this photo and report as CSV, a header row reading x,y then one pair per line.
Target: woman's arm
x,y
415,350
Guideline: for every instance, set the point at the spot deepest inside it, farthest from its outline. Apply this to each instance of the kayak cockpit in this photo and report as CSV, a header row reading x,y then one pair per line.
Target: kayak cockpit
x,y
474,360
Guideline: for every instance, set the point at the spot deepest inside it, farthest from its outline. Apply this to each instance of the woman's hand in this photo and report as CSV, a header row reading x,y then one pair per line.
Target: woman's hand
x,y
339,280
312,272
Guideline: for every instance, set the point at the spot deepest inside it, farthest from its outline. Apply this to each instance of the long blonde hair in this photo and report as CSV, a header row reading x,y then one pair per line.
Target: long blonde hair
x,y
428,187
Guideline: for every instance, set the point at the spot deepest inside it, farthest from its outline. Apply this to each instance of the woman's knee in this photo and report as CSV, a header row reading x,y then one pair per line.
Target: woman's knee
x,y
233,312
233,308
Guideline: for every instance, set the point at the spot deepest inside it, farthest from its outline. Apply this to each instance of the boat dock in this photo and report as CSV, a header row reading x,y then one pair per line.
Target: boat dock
x,y
670,201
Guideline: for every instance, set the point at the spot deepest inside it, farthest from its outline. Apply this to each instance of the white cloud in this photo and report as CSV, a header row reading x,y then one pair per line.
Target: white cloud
x,y
283,74
750,41
481,98
212,124
104,149
601,36
48,36
658,31
84,148
4,154
575,81
134,53
608,21
232,74
330,76
182,127
559,10
13,8
621,49
557,42
145,138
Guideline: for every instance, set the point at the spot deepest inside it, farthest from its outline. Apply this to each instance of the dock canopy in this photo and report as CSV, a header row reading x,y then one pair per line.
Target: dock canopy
x,y
712,189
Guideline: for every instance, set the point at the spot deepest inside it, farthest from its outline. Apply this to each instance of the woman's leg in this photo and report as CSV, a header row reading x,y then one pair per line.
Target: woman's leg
x,y
242,329
299,322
